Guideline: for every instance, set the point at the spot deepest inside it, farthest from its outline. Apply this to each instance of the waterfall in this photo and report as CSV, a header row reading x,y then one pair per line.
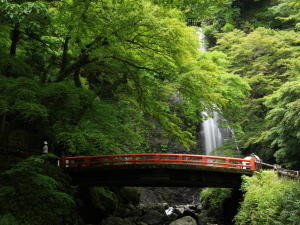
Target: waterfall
x,y
210,133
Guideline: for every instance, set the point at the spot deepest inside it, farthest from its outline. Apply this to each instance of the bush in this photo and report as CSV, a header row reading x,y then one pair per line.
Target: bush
x,y
269,199
34,192
212,199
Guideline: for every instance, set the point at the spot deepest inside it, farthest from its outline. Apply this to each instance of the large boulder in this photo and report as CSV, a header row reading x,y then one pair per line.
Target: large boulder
x,y
153,217
187,220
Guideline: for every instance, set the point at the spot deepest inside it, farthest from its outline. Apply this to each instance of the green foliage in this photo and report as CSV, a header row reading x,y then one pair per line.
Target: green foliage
x,y
103,199
215,86
113,128
212,199
251,14
36,192
139,59
195,8
31,14
127,195
106,75
269,200
265,59
20,97
283,123
107,200
288,12
229,20
228,149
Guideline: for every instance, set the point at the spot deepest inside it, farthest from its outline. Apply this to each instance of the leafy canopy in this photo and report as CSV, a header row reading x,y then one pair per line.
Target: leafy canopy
x,y
119,70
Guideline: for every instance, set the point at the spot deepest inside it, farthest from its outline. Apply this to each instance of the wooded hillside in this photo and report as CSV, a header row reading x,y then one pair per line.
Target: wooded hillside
x,y
103,77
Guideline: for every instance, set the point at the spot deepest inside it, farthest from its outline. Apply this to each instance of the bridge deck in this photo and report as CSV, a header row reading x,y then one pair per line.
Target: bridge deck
x,y
157,169
157,175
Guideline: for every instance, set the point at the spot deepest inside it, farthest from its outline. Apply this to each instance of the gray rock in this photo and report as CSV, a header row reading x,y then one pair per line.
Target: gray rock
x,y
152,217
187,220
170,195
199,207
179,210
116,221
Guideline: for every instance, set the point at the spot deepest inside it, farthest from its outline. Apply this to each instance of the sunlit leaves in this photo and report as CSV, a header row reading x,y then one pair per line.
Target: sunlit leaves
x,y
139,59
30,14
266,59
137,51
113,128
195,8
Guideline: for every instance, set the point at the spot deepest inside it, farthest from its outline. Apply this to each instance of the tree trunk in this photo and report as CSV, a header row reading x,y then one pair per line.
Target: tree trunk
x,y
77,78
3,121
64,60
15,37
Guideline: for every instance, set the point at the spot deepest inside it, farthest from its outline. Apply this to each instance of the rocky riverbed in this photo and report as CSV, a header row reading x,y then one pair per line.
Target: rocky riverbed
x,y
150,206
157,214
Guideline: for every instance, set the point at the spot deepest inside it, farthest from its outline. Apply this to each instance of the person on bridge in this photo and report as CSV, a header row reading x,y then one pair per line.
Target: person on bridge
x,y
45,148
247,164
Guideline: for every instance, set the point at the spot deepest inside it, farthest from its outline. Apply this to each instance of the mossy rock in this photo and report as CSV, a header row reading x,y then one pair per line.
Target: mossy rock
x,y
127,195
103,199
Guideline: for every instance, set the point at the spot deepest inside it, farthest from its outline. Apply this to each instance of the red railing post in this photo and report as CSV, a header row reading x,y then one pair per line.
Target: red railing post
x,y
110,160
156,158
180,159
203,161
63,161
88,161
133,158
252,164
227,162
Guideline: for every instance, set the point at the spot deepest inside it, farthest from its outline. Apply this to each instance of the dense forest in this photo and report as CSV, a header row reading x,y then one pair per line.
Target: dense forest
x,y
99,77
95,77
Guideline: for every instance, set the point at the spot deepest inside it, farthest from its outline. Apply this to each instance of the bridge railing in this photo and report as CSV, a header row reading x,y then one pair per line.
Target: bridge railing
x,y
280,171
193,22
158,158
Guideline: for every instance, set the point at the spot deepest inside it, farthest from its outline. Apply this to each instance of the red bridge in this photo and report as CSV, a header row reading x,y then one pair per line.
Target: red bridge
x,y
158,169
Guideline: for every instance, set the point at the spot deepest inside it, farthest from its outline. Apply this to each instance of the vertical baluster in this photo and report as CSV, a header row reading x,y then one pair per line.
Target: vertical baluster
x,y
110,160
63,161
180,159
226,162
203,160
88,161
156,158
252,164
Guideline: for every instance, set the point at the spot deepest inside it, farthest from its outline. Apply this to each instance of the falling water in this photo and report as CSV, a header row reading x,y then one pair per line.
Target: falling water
x,y
211,134
202,39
